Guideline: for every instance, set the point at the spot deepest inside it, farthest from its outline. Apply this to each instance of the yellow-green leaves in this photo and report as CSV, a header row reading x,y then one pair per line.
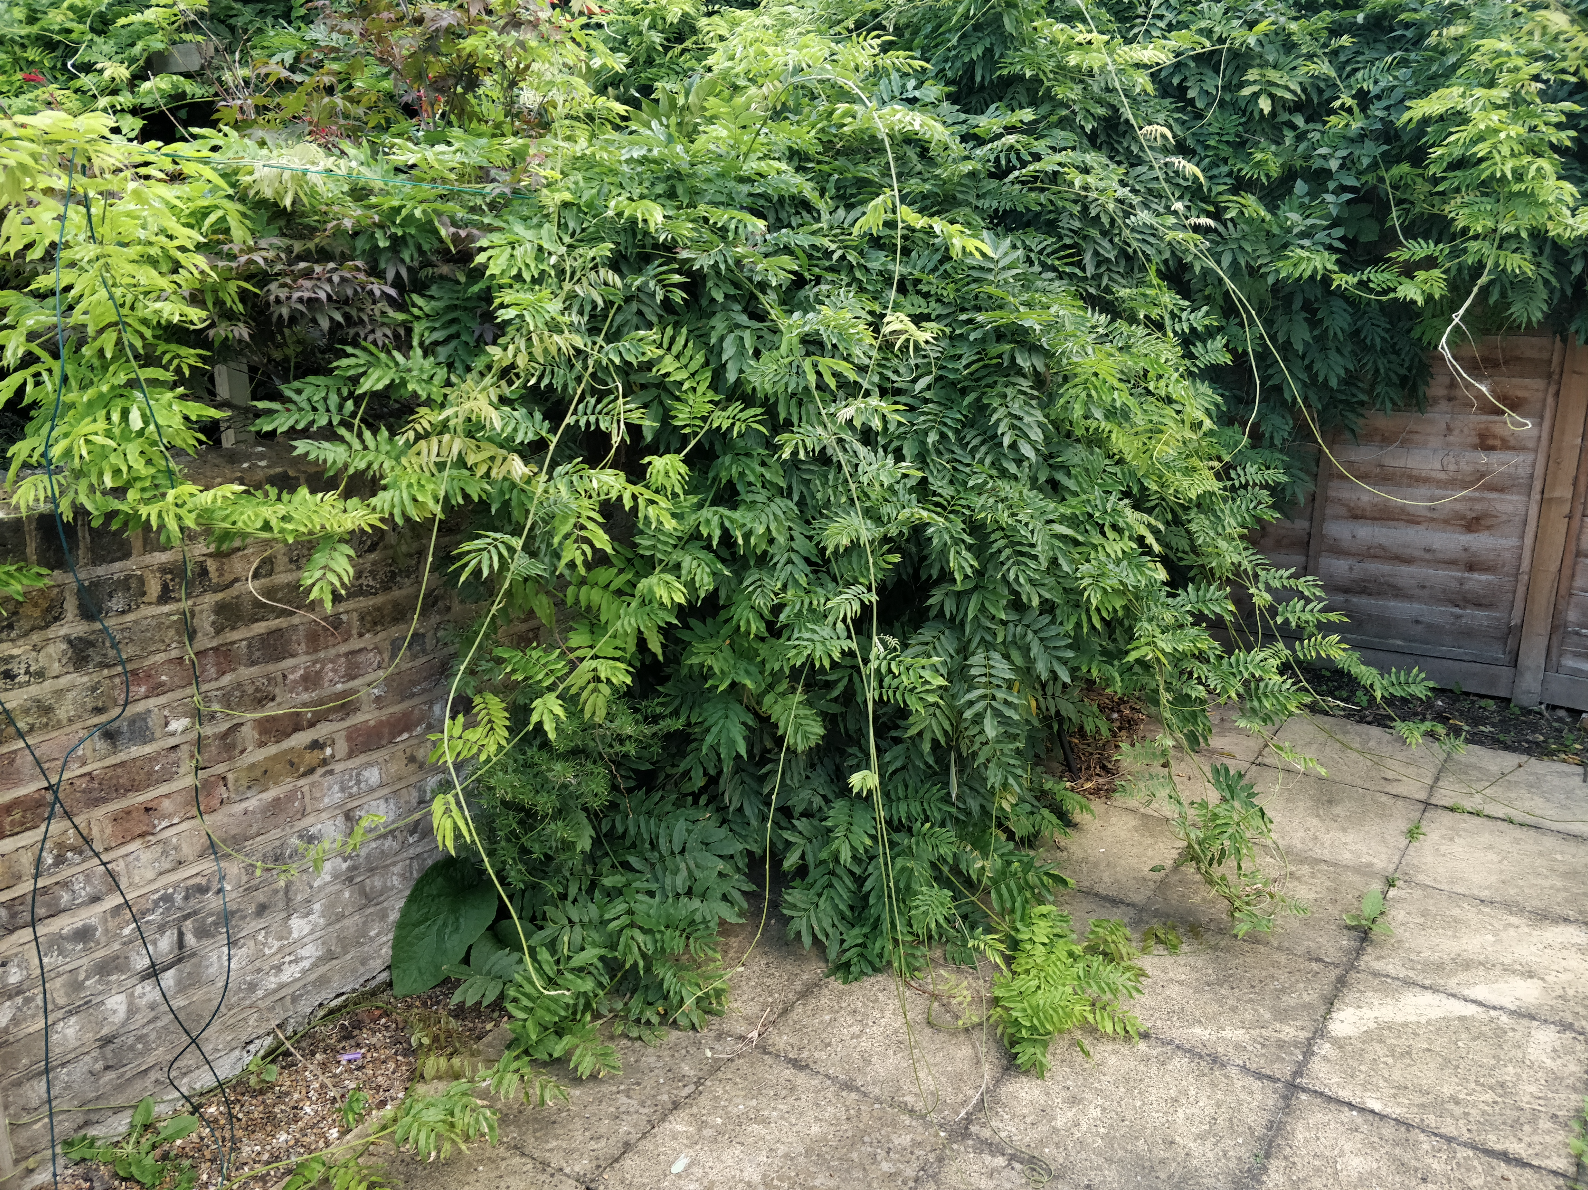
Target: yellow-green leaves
x,y
460,740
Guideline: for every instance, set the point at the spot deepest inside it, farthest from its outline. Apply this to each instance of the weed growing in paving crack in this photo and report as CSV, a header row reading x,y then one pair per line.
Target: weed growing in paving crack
x,y
1373,915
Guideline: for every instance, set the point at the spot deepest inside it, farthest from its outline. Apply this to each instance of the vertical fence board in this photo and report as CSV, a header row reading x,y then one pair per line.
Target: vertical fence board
x,y
1554,521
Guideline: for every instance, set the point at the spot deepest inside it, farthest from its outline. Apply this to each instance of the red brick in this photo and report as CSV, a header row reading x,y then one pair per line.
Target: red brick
x,y
272,729
17,767
260,815
223,745
328,673
312,637
116,781
87,701
289,764
253,694
247,608
23,813
296,640
65,849
387,729
389,612
177,673
132,822
409,682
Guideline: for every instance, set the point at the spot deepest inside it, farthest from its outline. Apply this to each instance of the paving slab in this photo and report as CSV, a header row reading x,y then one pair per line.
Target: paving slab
x,y
1332,821
1326,890
1232,745
503,1166
1530,792
1134,1116
897,1044
764,1121
1324,1145
1452,1054
1489,953
1539,871
1249,1005
1114,852
1357,754
1454,1068
604,1116
766,971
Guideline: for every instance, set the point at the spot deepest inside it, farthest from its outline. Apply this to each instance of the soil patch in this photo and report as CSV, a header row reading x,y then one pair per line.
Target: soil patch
x,y
1549,733
366,1045
1096,770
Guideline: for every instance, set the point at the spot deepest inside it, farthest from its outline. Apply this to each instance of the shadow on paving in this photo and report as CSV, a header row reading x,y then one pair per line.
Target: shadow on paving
x,y
1452,1055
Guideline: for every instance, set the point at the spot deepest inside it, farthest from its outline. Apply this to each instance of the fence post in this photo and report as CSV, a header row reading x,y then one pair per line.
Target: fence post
x,y
1554,518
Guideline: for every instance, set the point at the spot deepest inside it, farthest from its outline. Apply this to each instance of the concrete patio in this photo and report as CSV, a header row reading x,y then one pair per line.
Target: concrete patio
x,y
1453,1054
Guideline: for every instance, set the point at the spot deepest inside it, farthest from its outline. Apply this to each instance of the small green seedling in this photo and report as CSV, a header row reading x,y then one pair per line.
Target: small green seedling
x,y
1415,831
355,1107
261,1072
1371,919
133,1155
1162,933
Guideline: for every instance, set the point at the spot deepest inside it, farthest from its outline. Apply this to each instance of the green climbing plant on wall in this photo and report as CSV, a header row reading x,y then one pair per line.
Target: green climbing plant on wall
x,y
836,392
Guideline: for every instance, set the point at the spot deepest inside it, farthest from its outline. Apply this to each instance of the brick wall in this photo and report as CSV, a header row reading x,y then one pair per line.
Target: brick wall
x,y
266,783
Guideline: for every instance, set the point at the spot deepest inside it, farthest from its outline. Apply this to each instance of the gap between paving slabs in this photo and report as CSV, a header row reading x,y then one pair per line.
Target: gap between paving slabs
x,y
1549,936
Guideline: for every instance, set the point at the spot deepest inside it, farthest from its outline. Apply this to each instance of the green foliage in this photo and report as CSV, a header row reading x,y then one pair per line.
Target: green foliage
x,y
1053,982
1221,836
491,967
1372,917
433,1125
18,578
448,907
133,1155
1162,933
840,405
354,1107
320,1170
261,1073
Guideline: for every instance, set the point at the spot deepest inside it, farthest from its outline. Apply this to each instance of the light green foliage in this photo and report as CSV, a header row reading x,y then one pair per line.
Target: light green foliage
x,y
433,1125
18,578
321,1170
1415,831
133,1155
1222,837
1053,982
1372,917
1162,933
355,1107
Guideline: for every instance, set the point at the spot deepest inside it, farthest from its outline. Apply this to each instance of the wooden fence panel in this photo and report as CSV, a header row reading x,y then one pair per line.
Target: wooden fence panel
x,y
1455,539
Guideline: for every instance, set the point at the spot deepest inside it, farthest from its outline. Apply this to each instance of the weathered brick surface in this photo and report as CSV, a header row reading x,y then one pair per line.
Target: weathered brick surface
x,y
308,724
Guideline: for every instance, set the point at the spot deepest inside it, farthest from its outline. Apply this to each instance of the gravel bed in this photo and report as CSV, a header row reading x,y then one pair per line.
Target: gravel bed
x,y
367,1047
